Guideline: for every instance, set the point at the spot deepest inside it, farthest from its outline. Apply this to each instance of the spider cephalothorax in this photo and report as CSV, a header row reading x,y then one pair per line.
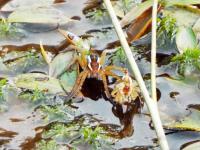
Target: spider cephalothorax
x,y
94,65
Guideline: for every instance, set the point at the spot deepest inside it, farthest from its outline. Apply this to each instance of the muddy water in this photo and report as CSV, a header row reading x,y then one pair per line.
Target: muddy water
x,y
20,124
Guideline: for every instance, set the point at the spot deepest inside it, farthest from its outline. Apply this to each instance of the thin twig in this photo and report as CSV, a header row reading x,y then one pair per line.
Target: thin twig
x,y
189,8
44,54
151,104
153,50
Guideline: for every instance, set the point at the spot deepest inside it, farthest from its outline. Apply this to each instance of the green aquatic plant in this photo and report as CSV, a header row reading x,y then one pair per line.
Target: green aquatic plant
x,y
189,59
119,56
47,145
126,5
77,133
34,95
33,54
52,145
22,62
37,94
97,14
167,28
62,131
57,113
94,136
6,28
31,58
3,82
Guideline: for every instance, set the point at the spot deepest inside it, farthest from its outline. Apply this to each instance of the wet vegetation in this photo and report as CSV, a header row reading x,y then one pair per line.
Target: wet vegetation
x,y
167,28
65,81
188,60
6,28
94,137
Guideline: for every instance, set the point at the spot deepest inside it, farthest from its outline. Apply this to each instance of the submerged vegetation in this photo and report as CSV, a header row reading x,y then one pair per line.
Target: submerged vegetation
x,y
9,30
76,134
57,113
97,14
3,82
95,137
21,62
6,28
34,96
47,145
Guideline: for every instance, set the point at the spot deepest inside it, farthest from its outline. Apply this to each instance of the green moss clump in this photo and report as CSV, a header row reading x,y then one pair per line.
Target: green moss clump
x,y
47,145
78,134
167,29
7,29
3,82
34,95
189,59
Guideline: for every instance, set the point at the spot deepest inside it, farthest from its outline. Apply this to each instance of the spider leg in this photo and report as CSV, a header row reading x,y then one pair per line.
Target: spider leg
x,y
103,55
103,76
71,41
63,32
82,61
102,58
112,67
79,82
110,73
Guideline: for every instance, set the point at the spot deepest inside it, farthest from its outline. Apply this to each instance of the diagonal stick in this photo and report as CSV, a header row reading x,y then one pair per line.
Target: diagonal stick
x,y
153,50
151,104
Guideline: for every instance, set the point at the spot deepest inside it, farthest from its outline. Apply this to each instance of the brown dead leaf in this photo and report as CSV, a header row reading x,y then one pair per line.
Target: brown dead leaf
x,y
2,3
59,1
141,25
135,12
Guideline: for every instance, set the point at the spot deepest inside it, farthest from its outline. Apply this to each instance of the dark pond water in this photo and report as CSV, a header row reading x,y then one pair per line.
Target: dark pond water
x,y
21,124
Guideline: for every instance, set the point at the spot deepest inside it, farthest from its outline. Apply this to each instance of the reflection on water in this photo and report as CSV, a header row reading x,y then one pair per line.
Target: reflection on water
x,y
125,114
191,145
93,89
